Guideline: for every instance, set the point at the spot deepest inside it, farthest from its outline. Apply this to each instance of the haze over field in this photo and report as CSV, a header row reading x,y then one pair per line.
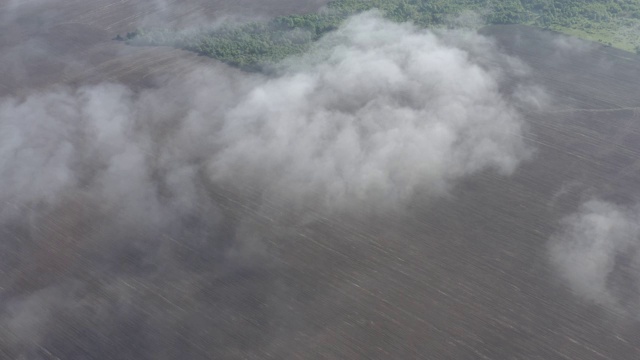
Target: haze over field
x,y
392,193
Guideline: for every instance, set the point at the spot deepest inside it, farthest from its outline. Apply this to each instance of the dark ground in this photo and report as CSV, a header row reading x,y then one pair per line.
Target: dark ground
x,y
464,277
54,41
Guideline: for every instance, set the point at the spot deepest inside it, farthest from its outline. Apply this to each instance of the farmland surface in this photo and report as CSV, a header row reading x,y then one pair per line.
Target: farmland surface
x,y
465,276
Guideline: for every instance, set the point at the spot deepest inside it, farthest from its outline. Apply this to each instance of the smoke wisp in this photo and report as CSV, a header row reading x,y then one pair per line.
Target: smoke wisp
x,y
596,252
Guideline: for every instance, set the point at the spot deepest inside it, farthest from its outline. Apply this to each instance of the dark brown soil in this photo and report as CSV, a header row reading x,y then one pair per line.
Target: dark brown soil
x,y
71,41
465,277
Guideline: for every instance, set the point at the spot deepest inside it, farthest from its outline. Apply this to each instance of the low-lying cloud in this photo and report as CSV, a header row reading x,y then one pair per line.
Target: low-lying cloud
x,y
596,252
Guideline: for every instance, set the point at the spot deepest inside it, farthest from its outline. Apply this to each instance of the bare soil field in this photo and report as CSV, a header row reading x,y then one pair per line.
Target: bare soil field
x,y
462,277
52,42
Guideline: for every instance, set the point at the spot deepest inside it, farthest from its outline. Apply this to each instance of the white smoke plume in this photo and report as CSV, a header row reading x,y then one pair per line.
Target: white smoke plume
x,y
596,252
386,110
103,175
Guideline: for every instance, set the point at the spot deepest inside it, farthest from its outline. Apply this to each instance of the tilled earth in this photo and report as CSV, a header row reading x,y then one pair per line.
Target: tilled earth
x,y
461,277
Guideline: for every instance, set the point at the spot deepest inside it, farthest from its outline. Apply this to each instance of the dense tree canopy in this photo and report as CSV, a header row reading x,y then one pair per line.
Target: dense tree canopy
x,y
254,45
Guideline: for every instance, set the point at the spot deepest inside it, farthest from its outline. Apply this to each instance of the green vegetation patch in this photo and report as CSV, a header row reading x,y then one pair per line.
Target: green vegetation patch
x,y
256,45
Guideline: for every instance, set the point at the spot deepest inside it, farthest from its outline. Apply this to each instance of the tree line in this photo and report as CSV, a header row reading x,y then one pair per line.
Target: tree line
x,y
254,45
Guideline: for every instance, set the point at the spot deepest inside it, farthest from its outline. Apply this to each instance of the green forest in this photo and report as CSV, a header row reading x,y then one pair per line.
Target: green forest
x,y
254,45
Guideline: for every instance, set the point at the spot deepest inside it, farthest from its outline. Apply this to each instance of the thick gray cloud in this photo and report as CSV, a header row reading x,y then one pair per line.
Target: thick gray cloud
x,y
596,252
107,192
